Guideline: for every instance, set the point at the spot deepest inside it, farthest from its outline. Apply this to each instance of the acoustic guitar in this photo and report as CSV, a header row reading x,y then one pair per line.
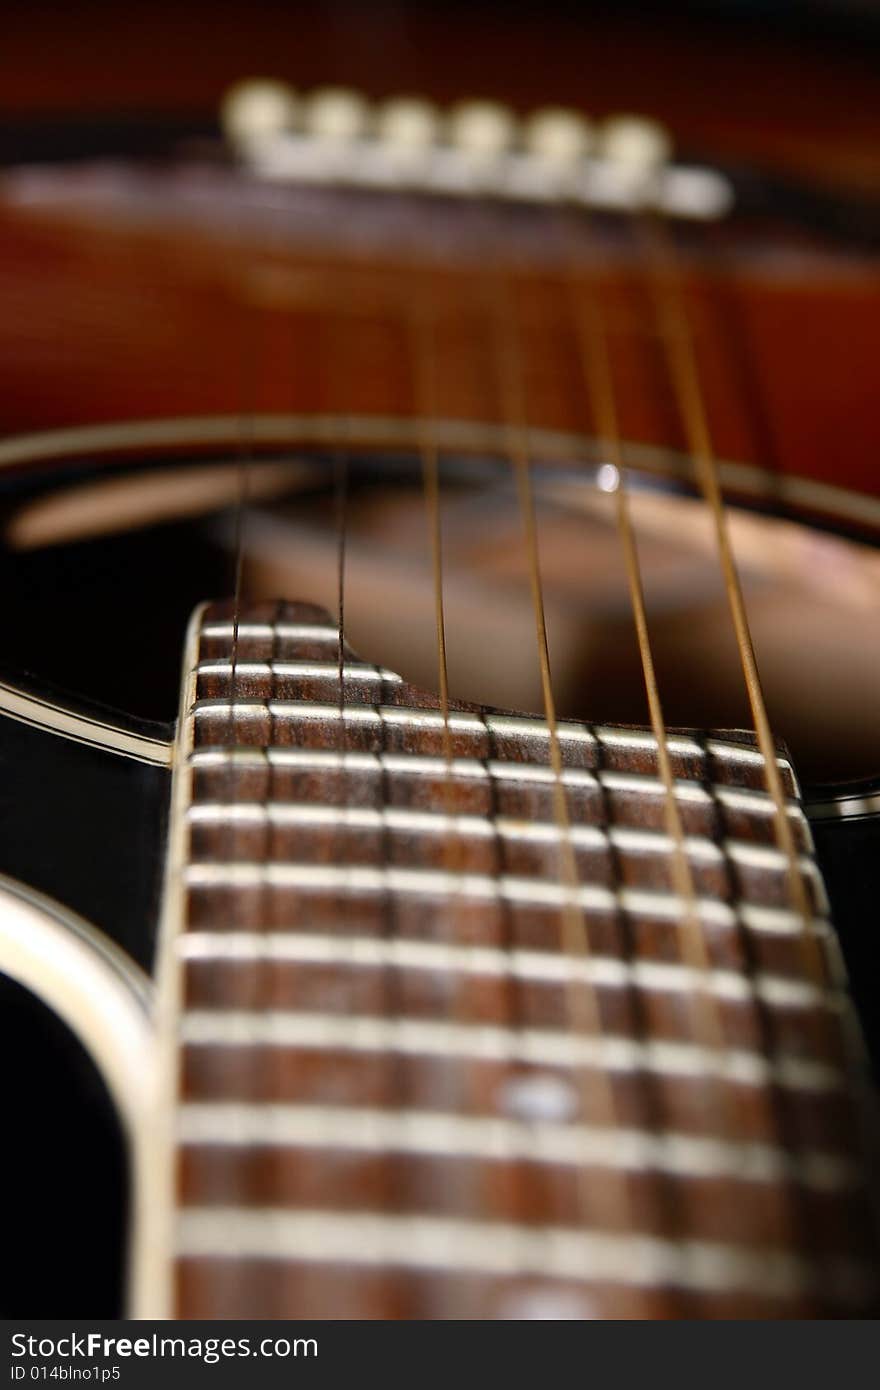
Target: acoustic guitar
x,y
439,688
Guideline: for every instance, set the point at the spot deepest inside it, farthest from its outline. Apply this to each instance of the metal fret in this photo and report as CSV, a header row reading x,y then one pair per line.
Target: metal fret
x,y
372,931
533,892
569,734
490,1137
310,814
267,632
496,1249
446,959
236,1028
351,670
752,800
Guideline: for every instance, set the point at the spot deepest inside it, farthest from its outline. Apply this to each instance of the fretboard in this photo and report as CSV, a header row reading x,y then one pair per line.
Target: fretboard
x,y
388,1103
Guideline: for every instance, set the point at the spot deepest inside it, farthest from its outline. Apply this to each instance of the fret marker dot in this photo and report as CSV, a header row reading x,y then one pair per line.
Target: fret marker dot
x,y
541,1097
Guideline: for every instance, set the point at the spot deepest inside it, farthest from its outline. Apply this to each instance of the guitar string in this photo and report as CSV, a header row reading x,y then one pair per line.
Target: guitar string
x,y
593,343
750,394
598,387
582,998
340,508
527,504
423,330
245,456
429,452
425,346
355,304
677,340
593,350
265,979
249,338
337,343
520,458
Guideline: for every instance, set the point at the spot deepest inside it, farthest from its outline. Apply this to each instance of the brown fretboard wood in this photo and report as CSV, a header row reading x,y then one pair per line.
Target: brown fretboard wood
x,y
382,1109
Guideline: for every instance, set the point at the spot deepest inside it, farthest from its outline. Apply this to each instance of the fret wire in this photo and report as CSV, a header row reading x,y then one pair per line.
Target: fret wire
x,y
567,732
276,1038
514,888
458,1246
542,1046
471,768
620,839
431,822
487,1137
539,966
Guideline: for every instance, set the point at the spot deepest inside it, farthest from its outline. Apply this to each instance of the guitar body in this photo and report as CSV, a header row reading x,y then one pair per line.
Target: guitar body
x,y
372,943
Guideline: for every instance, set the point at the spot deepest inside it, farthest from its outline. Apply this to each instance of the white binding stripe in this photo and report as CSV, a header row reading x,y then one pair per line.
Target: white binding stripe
x,y
543,1047
539,967
79,728
535,892
405,820
232,1124
499,1248
352,670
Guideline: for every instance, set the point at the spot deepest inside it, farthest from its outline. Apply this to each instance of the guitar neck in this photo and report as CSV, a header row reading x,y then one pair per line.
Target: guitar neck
x,y
423,1072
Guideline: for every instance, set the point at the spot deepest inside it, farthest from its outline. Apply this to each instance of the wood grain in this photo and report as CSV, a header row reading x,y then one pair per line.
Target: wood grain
x,y
270,946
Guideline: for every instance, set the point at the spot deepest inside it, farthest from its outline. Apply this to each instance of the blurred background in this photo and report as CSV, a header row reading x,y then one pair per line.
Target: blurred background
x,y
792,83
123,299
142,277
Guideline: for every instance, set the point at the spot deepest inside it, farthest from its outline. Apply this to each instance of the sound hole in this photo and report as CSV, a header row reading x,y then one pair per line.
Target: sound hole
x,y
104,590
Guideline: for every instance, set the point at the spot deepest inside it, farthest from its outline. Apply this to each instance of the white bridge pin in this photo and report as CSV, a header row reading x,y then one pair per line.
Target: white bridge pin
x,y
558,136
408,124
336,113
256,112
483,130
635,143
